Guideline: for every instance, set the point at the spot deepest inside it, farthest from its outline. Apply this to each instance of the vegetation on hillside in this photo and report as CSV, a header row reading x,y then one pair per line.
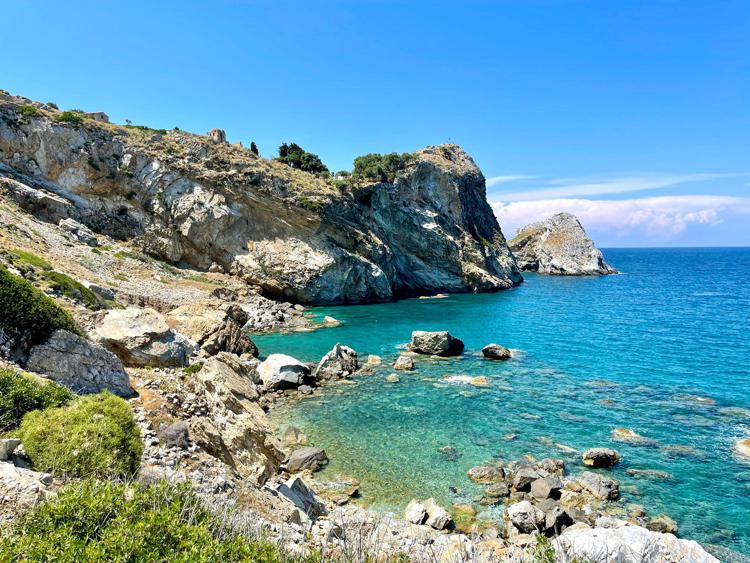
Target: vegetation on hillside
x,y
295,156
92,436
72,289
73,117
91,521
380,167
21,394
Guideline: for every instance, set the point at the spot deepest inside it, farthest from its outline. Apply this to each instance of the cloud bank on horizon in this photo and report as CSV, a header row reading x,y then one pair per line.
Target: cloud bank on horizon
x,y
616,218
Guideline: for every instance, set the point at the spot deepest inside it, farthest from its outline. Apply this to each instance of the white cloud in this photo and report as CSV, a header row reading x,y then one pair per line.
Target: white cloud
x,y
567,188
660,217
495,180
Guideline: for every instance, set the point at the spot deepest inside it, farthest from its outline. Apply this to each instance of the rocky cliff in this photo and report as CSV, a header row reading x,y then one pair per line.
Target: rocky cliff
x,y
190,199
558,245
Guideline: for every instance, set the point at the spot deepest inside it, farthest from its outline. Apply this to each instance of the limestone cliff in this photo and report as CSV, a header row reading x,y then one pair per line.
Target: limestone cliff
x,y
188,199
558,245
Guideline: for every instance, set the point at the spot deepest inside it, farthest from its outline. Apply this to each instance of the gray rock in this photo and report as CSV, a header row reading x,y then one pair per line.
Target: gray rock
x,y
525,475
404,363
435,343
526,517
175,435
556,519
496,352
280,371
497,490
297,493
559,246
600,486
339,363
7,447
306,458
600,457
547,488
78,232
416,513
81,365
662,524
141,337
437,517
486,474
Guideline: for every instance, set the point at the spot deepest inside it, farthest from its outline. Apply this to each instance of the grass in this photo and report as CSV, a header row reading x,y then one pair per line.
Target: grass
x,y
309,204
21,394
72,289
69,117
29,111
28,316
92,521
122,277
92,436
30,259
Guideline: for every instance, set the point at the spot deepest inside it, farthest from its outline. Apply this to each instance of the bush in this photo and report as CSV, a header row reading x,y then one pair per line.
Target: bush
x,y
254,148
381,167
92,521
28,316
20,394
295,156
309,204
72,289
23,257
29,111
69,117
93,436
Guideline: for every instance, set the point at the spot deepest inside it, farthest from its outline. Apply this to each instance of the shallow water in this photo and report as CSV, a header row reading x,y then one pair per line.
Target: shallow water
x,y
633,350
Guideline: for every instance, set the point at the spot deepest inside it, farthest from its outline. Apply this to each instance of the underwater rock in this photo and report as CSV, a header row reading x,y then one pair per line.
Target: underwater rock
x,y
404,363
630,436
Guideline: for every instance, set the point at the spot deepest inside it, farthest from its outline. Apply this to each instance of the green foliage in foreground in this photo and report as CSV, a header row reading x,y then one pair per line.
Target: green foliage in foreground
x,y
295,156
93,436
381,167
92,521
20,394
27,314
72,289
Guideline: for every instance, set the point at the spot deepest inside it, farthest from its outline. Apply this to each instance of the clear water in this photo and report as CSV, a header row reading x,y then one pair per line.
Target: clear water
x,y
594,354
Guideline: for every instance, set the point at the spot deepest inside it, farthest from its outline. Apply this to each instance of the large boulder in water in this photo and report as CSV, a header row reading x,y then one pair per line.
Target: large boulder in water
x,y
280,371
600,486
141,337
496,352
81,365
340,362
600,457
435,343
559,246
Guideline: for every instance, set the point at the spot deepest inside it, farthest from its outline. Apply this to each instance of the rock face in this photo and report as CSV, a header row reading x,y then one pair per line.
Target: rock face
x,y
558,246
83,366
216,326
141,337
435,343
287,231
628,544
340,362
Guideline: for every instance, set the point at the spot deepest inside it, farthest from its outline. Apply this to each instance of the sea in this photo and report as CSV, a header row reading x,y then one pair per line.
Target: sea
x,y
662,348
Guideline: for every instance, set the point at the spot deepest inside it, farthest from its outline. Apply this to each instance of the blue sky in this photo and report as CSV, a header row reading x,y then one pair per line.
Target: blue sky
x,y
633,114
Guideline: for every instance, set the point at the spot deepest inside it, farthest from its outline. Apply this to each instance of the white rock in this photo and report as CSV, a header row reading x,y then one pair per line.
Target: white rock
x,y
280,371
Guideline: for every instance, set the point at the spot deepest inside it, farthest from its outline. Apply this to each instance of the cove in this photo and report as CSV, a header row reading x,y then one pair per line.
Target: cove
x,y
661,349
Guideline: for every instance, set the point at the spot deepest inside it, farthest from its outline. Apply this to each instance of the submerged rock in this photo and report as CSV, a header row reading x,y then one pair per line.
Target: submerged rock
x,y
496,352
486,474
629,436
435,343
742,448
404,363
560,246
600,457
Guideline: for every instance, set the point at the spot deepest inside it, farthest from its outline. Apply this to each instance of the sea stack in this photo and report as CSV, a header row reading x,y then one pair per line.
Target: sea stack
x,y
558,246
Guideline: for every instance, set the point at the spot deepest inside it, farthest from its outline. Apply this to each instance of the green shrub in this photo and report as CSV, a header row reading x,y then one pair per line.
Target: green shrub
x,y
69,117
295,156
72,289
19,256
29,111
92,521
193,368
28,316
93,436
309,204
381,167
20,394
146,129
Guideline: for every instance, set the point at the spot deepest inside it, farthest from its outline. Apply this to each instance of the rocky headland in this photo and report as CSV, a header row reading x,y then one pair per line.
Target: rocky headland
x,y
558,246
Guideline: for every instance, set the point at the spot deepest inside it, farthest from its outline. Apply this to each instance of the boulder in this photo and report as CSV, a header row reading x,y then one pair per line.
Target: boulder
x,y
547,487
628,544
437,517
141,337
20,490
559,246
486,474
600,486
480,381
662,524
306,458
556,519
81,365
280,371
339,363
415,512
298,494
404,363
293,436
496,352
77,232
435,343
600,457
175,435
525,475
236,430
630,436
526,517
392,378
497,490
215,325
7,447
742,448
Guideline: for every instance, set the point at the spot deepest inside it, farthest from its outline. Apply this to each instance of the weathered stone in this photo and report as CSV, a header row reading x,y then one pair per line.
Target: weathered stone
x,y
524,476
7,447
547,487
600,457
437,517
556,519
435,343
215,325
404,363
293,436
78,232
486,474
339,363
20,490
83,366
496,352
297,492
280,371
600,486
526,517
416,513
497,490
141,337
175,435
217,136
559,246
662,524
307,458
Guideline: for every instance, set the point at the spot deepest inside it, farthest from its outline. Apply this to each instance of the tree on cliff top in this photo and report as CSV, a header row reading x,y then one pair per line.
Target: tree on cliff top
x,y
295,156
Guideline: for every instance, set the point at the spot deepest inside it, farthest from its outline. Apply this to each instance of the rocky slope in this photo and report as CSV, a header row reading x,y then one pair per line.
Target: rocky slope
x,y
188,199
559,246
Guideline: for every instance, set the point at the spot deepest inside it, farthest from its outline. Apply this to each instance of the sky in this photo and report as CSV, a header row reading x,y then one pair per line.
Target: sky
x,y
634,115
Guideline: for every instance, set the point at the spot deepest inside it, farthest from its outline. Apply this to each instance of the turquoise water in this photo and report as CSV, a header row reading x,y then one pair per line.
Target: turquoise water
x,y
632,350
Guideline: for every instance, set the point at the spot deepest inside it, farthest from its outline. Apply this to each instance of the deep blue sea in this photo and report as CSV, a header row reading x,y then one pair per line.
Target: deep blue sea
x,y
663,348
